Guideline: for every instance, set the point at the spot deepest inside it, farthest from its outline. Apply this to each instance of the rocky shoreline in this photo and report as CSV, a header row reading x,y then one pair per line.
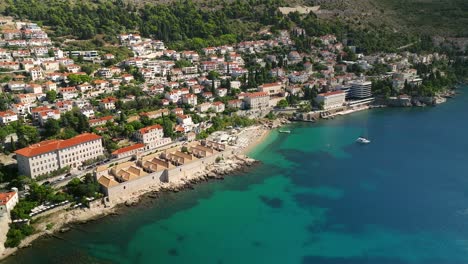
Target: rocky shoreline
x,y
65,220
218,171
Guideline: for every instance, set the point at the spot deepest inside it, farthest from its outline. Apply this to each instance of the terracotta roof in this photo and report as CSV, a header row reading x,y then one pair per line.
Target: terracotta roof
x,y
40,109
54,145
46,113
149,128
109,100
129,148
256,94
270,84
104,118
6,197
331,93
107,182
7,113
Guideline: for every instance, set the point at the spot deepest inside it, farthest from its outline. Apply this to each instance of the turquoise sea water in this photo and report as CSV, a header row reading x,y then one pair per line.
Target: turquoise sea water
x,y
317,197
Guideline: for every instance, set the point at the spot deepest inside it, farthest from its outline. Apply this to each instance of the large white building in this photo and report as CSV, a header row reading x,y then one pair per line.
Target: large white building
x,y
152,137
50,155
331,100
271,88
361,89
257,100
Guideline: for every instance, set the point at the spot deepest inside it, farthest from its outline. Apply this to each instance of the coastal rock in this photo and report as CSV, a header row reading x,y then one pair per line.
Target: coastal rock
x,y
64,229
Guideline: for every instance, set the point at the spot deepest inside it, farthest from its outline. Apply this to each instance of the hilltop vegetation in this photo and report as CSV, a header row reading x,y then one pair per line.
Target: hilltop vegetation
x,y
432,17
372,25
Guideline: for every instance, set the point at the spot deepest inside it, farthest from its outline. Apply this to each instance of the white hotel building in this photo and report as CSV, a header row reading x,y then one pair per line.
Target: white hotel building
x,y
152,137
361,89
331,100
50,155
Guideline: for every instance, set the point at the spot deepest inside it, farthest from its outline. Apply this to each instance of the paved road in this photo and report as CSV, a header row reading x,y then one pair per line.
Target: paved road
x,y
56,182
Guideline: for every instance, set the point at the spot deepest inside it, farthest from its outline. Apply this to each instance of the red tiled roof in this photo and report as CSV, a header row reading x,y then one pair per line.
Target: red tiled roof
x,y
5,197
45,113
40,109
149,128
104,118
53,145
129,148
7,113
109,100
271,84
331,93
256,94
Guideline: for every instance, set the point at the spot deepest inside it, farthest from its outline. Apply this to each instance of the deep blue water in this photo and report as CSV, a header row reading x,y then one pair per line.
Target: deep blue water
x,y
318,197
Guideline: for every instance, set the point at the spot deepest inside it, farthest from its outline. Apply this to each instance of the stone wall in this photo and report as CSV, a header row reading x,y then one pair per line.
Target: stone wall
x,y
175,174
135,185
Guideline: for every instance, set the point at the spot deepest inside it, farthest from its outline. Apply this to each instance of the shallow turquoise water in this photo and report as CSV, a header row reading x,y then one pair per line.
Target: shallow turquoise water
x,y
317,198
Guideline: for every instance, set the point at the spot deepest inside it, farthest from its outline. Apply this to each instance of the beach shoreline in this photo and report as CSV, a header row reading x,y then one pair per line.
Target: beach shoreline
x,y
62,219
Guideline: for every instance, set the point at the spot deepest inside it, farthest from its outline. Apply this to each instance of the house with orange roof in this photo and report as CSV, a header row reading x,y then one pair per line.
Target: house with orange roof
x,y
25,98
50,86
8,117
152,137
34,88
108,103
101,121
8,200
218,107
50,155
190,99
20,108
36,73
236,103
49,114
128,151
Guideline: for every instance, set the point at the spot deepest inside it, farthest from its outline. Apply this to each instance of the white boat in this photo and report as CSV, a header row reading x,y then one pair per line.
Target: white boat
x,y
285,131
362,140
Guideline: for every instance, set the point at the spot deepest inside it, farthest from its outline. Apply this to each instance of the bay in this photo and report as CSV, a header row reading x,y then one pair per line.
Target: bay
x,y
317,197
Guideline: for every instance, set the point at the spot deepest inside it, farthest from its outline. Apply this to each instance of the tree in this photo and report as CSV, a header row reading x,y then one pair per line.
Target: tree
x,y
12,144
51,128
213,75
282,103
168,127
51,96
75,79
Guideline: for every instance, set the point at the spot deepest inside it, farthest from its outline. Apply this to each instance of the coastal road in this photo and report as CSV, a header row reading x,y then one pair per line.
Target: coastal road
x,y
57,182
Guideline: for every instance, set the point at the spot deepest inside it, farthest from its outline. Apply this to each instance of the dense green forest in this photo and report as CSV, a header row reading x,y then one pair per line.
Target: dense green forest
x,y
189,25
434,17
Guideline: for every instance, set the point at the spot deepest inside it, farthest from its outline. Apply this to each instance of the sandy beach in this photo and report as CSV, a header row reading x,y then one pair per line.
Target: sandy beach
x,y
248,139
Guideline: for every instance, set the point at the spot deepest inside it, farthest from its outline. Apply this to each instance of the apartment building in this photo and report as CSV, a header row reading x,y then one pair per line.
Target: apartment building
x,y
361,89
256,100
152,137
331,100
50,155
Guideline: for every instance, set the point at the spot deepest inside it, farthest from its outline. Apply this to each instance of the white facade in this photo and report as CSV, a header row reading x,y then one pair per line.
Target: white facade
x,y
361,89
257,100
331,100
152,137
190,99
271,88
7,117
51,155
8,201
